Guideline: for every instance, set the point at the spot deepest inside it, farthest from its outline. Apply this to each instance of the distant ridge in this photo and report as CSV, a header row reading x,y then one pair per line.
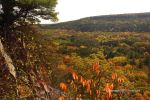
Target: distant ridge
x,y
133,22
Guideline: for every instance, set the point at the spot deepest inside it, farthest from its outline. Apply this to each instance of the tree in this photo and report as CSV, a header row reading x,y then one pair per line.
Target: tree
x,y
14,11
15,17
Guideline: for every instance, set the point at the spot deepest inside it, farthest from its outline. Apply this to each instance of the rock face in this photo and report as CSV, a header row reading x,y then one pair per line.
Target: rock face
x,y
8,60
41,86
7,68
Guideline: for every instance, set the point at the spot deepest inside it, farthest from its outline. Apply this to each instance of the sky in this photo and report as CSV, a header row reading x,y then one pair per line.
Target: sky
x,y
75,9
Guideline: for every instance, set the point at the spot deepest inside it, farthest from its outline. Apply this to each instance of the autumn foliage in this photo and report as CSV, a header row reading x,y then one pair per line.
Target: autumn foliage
x,y
95,90
99,66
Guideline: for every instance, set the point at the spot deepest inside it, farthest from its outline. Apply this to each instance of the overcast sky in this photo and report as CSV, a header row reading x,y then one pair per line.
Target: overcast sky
x,y
76,9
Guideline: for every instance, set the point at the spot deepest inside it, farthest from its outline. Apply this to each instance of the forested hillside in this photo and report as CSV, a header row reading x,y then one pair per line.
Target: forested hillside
x,y
89,64
74,65
77,61
139,22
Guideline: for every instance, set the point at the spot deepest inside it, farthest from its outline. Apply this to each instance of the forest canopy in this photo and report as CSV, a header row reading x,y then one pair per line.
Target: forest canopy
x,y
82,63
14,11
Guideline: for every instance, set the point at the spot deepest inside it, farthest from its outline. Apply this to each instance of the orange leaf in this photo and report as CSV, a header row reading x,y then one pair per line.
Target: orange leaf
x,y
90,92
111,86
84,82
75,76
63,87
81,79
60,98
114,76
88,88
97,92
96,67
